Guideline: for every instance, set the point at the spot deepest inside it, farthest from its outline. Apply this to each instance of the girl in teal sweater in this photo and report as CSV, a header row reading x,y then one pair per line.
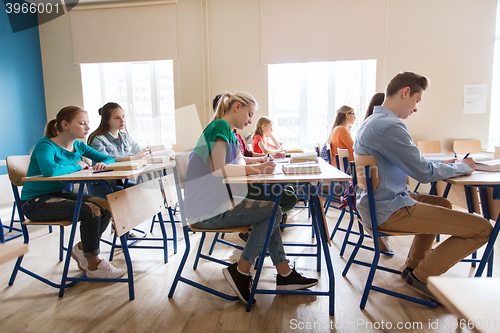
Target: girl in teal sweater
x,y
59,153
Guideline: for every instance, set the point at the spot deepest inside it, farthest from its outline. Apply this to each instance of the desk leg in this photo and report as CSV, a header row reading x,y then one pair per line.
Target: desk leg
x,y
76,214
260,260
323,237
488,252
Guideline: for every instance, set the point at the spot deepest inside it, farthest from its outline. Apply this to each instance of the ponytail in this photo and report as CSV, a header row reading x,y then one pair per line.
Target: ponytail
x,y
227,100
258,126
51,129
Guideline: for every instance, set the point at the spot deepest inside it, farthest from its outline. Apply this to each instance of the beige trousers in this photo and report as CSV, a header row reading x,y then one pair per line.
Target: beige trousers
x,y
430,216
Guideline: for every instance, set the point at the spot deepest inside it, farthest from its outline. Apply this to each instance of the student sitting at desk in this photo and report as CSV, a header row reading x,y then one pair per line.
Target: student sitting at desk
x,y
339,136
59,153
209,204
111,138
385,136
288,199
263,139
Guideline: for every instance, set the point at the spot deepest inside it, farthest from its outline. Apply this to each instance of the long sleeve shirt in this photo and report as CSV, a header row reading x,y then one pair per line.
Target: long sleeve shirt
x,y
386,137
117,148
342,139
48,159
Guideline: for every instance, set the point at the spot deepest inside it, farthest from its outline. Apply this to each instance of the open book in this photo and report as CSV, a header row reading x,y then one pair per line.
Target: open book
x,y
491,165
301,168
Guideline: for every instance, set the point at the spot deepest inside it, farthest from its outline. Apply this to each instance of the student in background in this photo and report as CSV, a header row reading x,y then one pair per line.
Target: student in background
x,y
59,153
209,205
385,136
111,138
339,135
241,143
288,198
376,100
263,139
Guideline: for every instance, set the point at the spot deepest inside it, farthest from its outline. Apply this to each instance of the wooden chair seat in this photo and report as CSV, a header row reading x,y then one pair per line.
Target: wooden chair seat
x,y
62,223
242,229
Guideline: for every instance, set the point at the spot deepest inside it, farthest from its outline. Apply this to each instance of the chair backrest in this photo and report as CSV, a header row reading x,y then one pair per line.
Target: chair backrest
x,y
156,148
360,162
134,205
429,147
493,205
467,146
497,153
181,163
344,154
178,147
329,150
17,167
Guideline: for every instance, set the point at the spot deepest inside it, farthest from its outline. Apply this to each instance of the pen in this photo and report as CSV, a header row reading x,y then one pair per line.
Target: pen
x,y
466,155
105,170
268,157
456,155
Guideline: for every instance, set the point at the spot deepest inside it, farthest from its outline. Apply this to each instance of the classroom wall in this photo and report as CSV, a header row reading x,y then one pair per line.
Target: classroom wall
x,y
450,41
22,100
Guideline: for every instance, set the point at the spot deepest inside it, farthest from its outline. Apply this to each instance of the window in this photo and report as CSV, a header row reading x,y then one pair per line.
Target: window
x,y
494,133
145,90
303,98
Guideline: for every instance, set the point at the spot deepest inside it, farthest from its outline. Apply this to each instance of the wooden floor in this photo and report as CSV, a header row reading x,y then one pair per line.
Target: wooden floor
x,y
31,306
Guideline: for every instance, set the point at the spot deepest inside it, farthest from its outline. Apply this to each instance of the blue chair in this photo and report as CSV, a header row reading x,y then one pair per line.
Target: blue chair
x,y
333,198
367,179
182,160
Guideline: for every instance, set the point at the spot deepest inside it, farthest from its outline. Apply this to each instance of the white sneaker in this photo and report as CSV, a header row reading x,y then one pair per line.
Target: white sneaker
x,y
105,271
80,259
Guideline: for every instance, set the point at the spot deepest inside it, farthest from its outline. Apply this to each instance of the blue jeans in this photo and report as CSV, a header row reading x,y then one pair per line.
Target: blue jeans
x,y
94,215
255,213
100,190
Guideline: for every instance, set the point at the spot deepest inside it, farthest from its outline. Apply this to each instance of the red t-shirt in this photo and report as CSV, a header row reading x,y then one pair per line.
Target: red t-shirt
x,y
256,148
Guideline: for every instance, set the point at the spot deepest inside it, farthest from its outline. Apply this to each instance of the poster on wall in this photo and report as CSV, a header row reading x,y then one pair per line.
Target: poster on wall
x,y
475,98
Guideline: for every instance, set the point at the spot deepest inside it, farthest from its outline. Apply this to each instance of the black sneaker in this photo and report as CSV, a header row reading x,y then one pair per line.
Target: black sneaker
x,y
240,283
418,286
294,281
405,272
244,236
283,221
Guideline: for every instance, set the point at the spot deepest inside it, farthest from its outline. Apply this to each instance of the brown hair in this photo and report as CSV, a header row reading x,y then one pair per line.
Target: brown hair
x,y
258,126
67,114
376,100
227,100
415,82
105,112
340,119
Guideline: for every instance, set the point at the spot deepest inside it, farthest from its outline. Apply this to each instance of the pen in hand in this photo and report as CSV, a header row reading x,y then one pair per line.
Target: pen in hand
x,y
466,155
268,157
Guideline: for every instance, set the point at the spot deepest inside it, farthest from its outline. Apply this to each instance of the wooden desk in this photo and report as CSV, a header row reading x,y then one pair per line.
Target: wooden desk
x,y
481,180
474,301
82,177
88,176
278,178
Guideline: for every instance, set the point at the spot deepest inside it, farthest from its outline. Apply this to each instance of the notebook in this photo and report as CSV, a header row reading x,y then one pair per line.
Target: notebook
x,y
304,157
491,165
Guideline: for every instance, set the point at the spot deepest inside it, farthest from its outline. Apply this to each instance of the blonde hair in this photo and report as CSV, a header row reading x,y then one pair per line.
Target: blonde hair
x,y
340,119
67,114
258,126
227,100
